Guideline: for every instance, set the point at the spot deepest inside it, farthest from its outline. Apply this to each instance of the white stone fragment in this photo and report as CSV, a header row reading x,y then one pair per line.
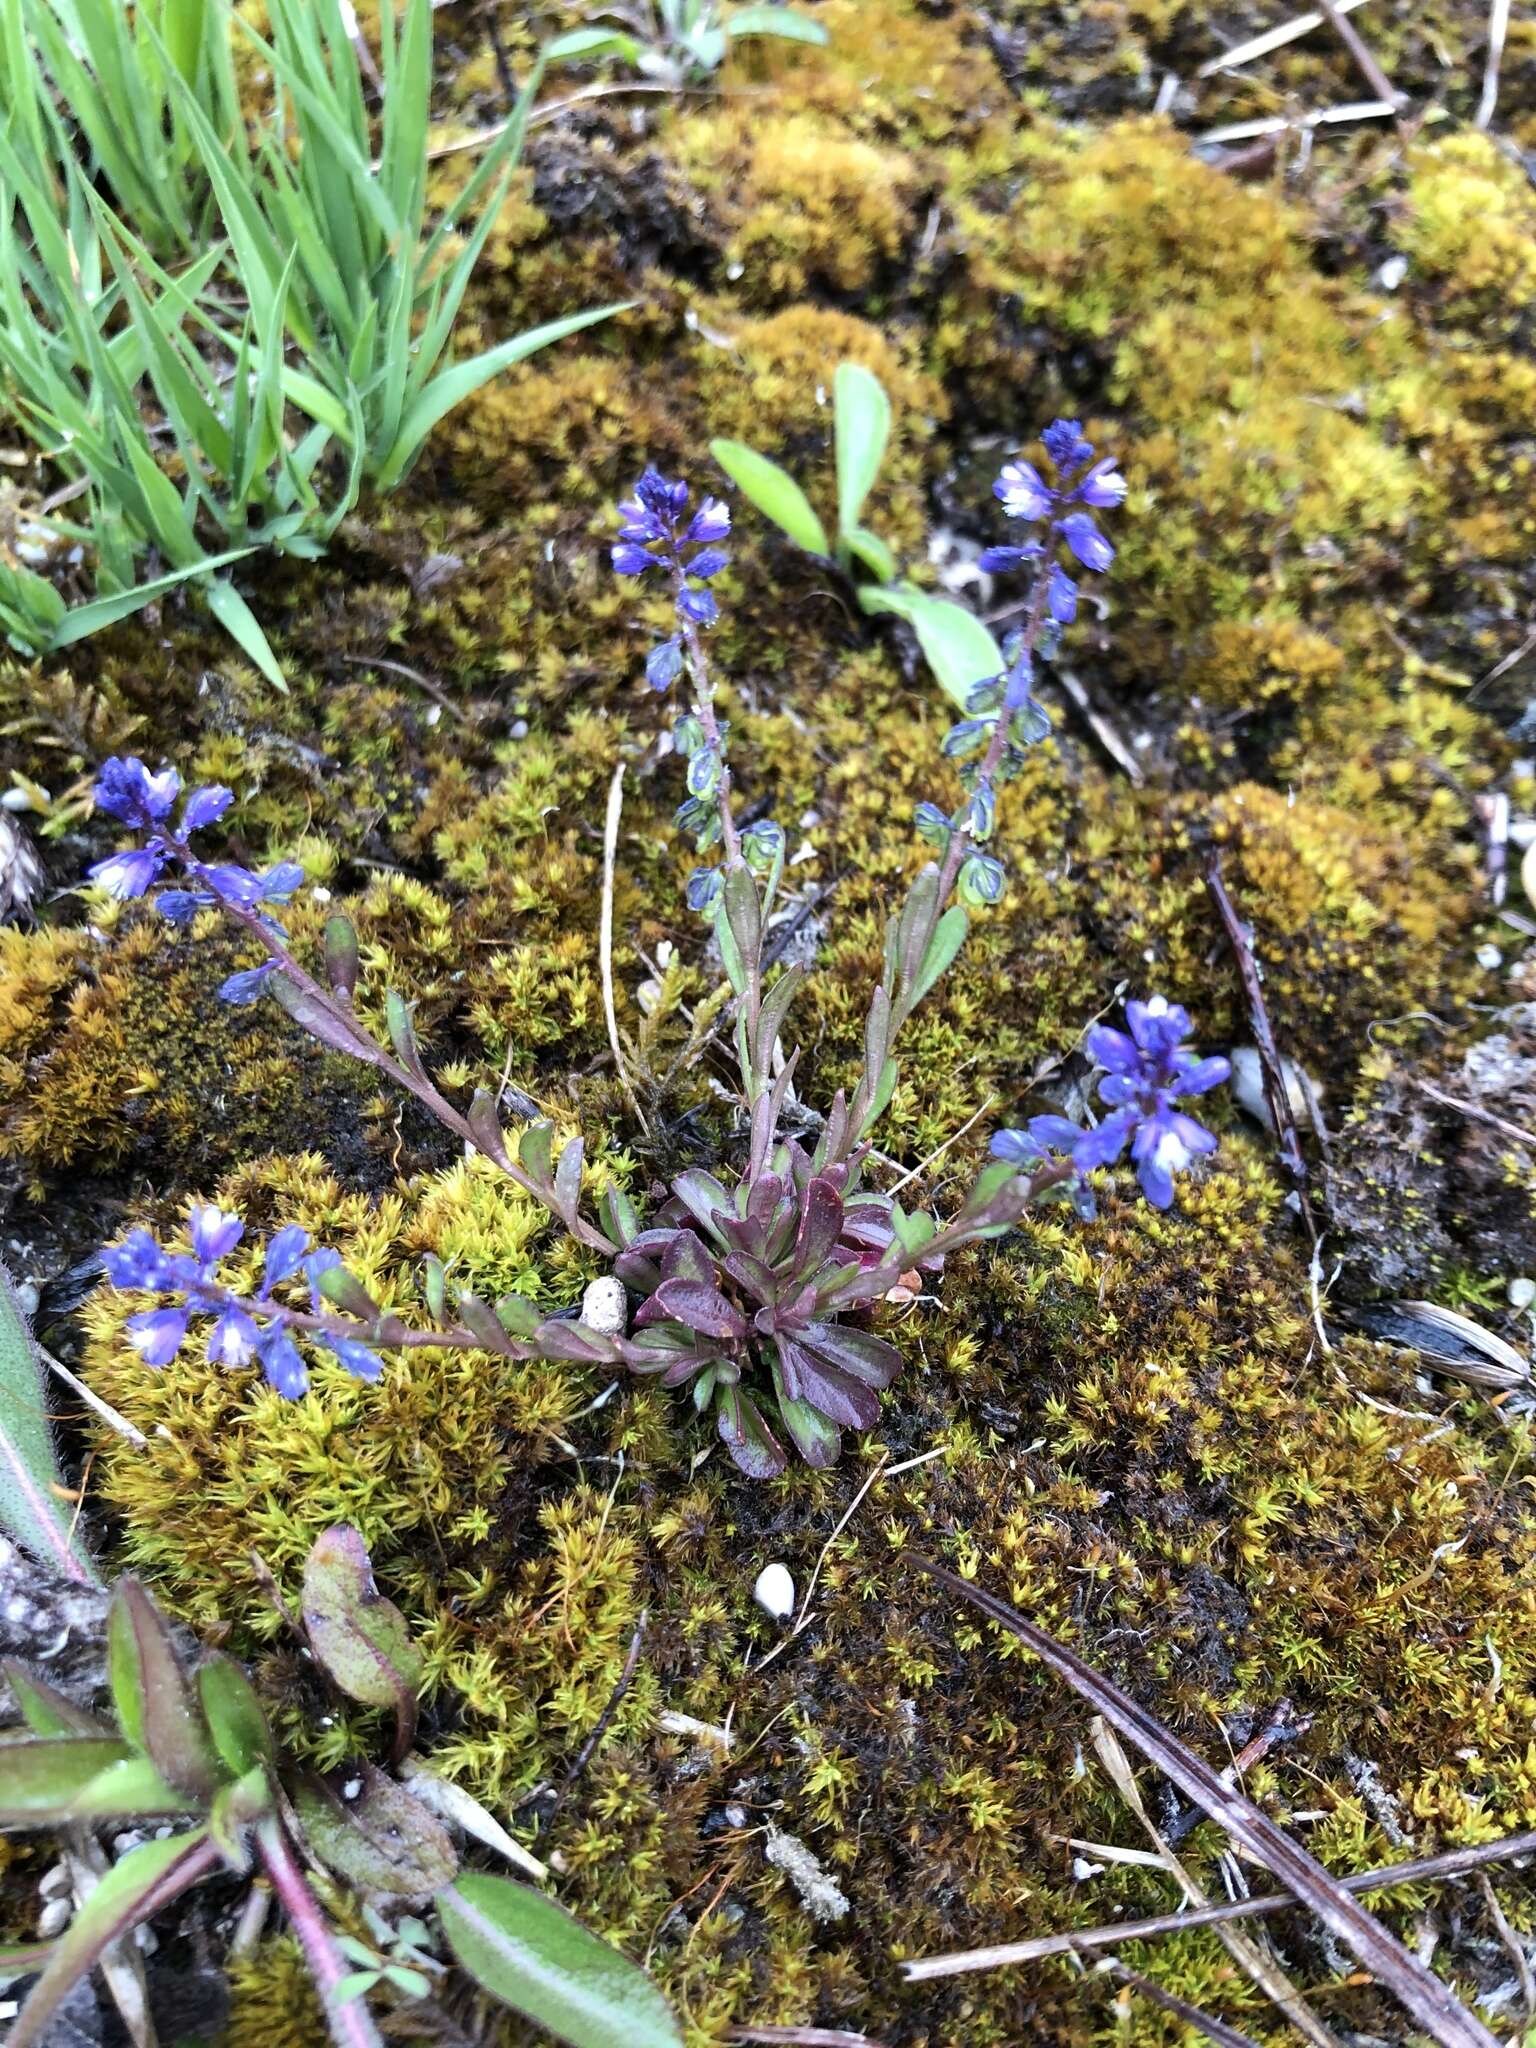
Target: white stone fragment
x,y
605,1307
775,1592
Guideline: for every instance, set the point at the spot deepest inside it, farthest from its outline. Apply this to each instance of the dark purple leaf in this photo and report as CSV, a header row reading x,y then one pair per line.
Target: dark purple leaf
x,y
867,1357
671,1351
559,1337
752,1276
703,1309
703,1198
836,1394
748,1438
686,1259
821,1221
331,1026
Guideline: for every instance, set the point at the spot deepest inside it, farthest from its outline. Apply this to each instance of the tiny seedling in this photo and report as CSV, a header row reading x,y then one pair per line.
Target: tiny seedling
x,y
681,42
956,644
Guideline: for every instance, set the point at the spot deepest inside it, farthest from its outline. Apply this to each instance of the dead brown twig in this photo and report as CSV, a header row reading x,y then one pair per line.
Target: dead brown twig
x,y
1276,1091
1359,50
1452,1863
1213,2029
604,1719
1432,2004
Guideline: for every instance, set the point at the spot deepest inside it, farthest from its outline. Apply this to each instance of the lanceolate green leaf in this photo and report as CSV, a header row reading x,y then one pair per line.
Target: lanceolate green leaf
x,y
529,1953
155,1705
957,646
47,1779
132,1891
452,386
774,492
30,1509
782,22
862,418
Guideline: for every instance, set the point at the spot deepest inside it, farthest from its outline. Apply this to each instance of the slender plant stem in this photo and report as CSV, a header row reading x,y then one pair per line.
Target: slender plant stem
x,y
960,843
350,2024
704,711
363,1046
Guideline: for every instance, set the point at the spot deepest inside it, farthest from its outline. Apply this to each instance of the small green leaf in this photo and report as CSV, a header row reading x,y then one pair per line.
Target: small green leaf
x,y
383,1841
153,1696
862,414
361,1639
871,550
341,954
517,1315
236,1807
48,1779
29,1508
782,22
434,1286
345,1291
234,1716
402,1032
948,938
47,1711
533,1956
535,1152
774,492
582,45
955,643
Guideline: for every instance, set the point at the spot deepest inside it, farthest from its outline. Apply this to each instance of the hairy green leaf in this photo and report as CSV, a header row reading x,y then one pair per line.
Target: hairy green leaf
x,y
533,1956
30,1509
361,1639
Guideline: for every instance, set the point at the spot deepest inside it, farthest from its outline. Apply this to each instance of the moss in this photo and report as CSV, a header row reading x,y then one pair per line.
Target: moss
x,y
1472,227
1327,542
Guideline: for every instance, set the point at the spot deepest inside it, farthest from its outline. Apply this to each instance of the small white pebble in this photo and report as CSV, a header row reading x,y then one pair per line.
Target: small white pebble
x,y
775,1592
605,1306
1522,1291
1489,957
1391,273
54,1918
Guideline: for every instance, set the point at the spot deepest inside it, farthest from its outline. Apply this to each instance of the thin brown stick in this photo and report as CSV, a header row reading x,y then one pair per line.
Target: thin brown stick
x,y
1275,1088
604,1720
1478,1114
1433,2005
1359,50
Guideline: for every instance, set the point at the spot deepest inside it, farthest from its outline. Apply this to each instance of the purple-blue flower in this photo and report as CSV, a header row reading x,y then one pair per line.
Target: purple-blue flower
x,y
1079,482
652,535
1147,1071
246,1330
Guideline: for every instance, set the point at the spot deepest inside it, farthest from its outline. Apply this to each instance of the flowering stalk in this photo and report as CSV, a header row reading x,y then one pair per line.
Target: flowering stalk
x,y
127,790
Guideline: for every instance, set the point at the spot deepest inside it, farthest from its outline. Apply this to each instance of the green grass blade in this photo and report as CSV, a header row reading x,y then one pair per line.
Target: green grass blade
x,y
452,386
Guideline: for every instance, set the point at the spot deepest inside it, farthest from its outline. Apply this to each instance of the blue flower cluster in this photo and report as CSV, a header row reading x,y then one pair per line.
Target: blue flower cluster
x,y
1004,717
654,536
1082,487
238,1338
126,789
1146,1072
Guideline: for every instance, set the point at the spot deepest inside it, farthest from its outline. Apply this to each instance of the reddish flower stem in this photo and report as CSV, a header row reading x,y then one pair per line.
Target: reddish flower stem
x,y
351,2026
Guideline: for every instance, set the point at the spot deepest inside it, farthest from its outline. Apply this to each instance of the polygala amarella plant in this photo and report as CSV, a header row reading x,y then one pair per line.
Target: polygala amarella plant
x,y
189,1742
752,1284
